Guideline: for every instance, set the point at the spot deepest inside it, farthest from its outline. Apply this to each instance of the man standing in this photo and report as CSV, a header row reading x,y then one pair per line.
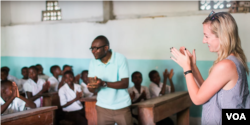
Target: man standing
x,y
110,70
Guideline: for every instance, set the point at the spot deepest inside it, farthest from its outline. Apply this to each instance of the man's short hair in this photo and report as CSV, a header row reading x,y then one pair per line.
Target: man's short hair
x,y
103,39
135,73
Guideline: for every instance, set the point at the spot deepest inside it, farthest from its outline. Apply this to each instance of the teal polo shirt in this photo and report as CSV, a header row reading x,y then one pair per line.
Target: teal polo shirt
x,y
113,71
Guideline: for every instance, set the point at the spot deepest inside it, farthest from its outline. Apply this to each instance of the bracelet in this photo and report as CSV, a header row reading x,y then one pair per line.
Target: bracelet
x,y
189,71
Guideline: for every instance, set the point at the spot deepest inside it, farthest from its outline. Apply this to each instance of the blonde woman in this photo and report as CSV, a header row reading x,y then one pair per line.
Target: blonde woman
x,y
226,85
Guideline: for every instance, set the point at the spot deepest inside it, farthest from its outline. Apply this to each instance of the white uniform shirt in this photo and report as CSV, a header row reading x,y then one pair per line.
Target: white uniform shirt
x,y
20,84
86,91
155,89
34,88
53,84
16,105
12,78
66,94
45,77
137,94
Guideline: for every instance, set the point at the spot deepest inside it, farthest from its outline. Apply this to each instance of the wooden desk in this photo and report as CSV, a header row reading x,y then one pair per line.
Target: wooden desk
x,y
37,116
51,99
90,111
156,109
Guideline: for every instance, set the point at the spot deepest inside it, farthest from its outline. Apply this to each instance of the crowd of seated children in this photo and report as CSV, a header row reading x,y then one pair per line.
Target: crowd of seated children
x,y
11,101
158,88
69,95
34,87
41,75
84,77
54,80
10,77
20,83
137,93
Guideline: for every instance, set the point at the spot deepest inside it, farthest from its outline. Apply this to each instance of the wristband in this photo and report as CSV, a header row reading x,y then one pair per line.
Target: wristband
x,y
189,71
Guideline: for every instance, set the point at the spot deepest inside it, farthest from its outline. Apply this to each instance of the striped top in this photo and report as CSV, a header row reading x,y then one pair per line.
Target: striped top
x,y
235,98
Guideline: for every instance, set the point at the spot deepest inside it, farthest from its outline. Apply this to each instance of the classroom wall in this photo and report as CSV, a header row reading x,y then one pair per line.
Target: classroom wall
x,y
145,42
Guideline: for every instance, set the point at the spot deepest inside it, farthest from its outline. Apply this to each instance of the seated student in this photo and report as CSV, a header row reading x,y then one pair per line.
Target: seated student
x,y
69,94
157,88
41,75
10,77
4,74
20,82
11,101
138,93
54,80
61,79
84,77
35,87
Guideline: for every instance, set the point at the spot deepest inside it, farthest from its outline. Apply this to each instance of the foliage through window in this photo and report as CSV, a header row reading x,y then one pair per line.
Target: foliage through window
x,y
52,12
214,5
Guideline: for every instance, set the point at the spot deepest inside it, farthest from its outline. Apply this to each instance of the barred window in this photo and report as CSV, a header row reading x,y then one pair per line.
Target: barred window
x,y
52,12
214,5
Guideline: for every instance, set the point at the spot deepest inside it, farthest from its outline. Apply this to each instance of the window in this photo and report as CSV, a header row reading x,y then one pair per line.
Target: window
x,y
53,11
214,5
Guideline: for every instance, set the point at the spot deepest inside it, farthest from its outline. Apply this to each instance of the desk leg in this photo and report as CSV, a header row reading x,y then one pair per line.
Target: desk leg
x,y
90,113
146,116
183,117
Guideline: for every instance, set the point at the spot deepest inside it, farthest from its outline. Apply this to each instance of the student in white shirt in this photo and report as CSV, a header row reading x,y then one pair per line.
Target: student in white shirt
x,y
35,87
84,77
137,93
54,80
157,88
20,83
41,75
10,77
69,94
68,68
11,101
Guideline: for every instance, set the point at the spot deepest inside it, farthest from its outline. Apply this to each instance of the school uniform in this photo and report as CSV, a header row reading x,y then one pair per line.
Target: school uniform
x,y
45,77
12,78
16,105
86,91
20,84
34,88
53,84
155,89
74,112
137,95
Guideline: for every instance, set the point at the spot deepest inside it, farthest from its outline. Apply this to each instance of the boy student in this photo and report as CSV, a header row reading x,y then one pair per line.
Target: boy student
x,y
11,101
68,68
138,93
35,87
69,94
25,74
157,88
4,74
84,77
54,80
41,75
10,77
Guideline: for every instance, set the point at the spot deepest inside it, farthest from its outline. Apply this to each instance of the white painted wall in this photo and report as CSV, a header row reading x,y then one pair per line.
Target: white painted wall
x,y
5,13
135,38
30,12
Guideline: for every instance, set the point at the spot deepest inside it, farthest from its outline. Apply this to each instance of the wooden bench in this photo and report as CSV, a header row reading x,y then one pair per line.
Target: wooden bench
x,y
157,109
37,116
90,111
